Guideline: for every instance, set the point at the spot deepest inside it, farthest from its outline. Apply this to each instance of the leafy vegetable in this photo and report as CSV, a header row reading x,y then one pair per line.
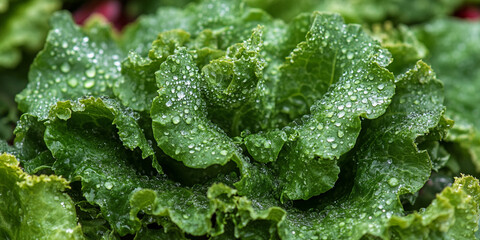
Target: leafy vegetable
x,y
34,206
219,121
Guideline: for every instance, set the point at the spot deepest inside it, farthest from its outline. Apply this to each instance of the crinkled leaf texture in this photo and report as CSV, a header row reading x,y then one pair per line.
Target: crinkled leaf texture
x,y
454,214
74,63
180,108
324,138
34,207
339,72
388,164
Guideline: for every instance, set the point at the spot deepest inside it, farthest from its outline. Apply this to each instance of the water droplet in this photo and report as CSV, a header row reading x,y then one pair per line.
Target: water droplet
x,y
320,126
90,72
341,114
175,120
381,86
169,103
224,152
72,82
350,55
89,84
340,133
330,139
108,185
65,67
393,182
180,95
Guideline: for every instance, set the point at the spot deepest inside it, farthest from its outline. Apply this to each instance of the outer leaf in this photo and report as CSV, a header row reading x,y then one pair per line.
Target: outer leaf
x,y
115,179
179,123
389,164
87,148
74,63
454,214
34,206
230,20
341,74
83,140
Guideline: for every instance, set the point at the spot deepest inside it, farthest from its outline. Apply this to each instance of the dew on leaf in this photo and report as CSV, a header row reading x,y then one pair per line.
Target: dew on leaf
x,y
65,67
89,84
108,185
90,72
393,182
72,82
176,120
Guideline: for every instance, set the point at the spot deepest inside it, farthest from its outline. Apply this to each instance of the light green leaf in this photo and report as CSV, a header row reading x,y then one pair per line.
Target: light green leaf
x,y
454,214
233,82
34,207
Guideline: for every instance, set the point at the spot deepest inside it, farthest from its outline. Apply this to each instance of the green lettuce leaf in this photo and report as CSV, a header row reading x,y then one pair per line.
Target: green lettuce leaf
x,y
122,184
34,206
218,121
454,214
98,112
73,63
339,78
388,165
180,126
